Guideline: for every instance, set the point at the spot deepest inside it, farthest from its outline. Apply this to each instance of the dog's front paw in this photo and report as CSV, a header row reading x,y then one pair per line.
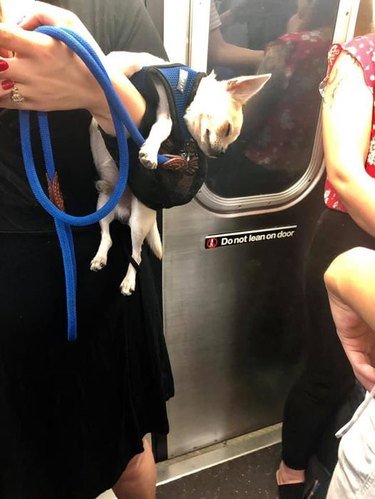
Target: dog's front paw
x,y
127,286
98,263
149,161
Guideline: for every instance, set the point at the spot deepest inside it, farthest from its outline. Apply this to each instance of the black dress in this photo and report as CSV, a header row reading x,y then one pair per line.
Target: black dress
x,y
72,414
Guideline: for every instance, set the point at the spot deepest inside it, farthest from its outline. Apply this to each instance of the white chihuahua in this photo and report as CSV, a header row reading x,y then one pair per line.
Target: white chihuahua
x,y
214,119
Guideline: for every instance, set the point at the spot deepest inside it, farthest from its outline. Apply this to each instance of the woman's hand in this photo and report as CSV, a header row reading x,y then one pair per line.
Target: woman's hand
x,y
358,341
350,282
50,77
45,72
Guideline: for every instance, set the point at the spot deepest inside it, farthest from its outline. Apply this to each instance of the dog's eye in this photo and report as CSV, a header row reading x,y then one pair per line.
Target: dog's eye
x,y
228,130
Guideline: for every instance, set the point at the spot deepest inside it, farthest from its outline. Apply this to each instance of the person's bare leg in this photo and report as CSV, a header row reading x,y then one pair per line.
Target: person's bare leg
x,y
138,481
287,475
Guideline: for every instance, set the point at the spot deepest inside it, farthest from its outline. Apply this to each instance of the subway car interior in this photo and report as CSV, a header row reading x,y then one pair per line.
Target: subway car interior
x,y
231,277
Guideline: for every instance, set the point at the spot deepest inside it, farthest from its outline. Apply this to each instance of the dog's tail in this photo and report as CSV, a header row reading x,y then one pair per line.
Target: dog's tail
x,y
154,241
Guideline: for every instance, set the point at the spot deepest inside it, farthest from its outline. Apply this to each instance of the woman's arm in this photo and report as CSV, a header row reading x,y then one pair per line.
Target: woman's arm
x,y
51,77
347,122
350,282
227,54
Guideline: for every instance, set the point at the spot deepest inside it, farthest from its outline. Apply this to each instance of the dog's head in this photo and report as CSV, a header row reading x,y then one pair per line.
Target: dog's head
x,y
214,117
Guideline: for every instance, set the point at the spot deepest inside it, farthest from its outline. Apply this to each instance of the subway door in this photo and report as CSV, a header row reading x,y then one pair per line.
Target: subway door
x,y
233,257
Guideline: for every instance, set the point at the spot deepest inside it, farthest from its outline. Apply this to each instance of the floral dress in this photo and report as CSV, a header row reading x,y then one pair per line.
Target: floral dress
x,y
286,130
362,49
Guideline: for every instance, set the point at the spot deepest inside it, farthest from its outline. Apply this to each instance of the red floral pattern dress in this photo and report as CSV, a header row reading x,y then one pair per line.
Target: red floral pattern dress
x,y
362,49
286,135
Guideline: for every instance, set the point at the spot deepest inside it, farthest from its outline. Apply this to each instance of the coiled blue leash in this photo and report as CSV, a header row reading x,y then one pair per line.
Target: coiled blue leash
x,y
64,221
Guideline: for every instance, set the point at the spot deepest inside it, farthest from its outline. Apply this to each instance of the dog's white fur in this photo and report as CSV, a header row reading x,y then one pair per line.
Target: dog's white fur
x,y
214,119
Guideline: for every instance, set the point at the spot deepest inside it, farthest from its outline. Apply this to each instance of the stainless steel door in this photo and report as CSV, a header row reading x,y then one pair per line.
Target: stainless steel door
x,y
232,277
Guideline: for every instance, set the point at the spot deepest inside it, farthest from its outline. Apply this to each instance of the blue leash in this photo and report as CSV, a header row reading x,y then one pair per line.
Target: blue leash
x,y
64,221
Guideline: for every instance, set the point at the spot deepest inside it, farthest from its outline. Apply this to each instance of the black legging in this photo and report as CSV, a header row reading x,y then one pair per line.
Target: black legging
x,y
327,377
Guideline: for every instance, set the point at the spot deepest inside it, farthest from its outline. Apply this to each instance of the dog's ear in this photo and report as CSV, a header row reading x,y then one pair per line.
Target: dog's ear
x,y
243,88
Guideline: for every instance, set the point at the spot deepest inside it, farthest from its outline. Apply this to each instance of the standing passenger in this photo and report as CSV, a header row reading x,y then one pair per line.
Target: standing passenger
x,y
73,415
348,220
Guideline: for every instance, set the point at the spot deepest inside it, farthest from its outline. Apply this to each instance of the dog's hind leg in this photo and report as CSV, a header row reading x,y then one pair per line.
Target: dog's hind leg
x,y
100,259
141,222
154,241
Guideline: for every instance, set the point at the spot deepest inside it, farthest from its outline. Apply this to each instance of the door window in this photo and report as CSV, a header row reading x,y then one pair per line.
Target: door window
x,y
289,39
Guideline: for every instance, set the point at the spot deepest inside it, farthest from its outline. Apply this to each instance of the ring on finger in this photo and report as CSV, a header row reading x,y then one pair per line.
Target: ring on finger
x,y
15,96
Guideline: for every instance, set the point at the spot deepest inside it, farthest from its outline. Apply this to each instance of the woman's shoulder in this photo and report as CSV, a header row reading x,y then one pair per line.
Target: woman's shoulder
x,y
359,44
361,49
119,24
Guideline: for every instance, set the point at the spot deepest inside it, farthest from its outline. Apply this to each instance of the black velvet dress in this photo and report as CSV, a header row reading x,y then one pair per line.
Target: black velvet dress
x,y
72,414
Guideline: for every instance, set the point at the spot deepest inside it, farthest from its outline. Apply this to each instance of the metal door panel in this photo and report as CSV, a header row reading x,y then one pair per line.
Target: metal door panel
x,y
233,322
234,315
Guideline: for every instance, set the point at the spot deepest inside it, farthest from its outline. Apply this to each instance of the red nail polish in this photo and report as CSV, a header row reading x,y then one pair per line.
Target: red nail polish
x,y
7,84
3,65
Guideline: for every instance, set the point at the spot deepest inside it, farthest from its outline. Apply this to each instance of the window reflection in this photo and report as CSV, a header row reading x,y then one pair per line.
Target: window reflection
x,y
256,21
276,142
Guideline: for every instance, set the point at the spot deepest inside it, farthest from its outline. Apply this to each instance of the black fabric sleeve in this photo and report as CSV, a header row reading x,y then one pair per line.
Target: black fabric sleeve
x,y
141,35
119,25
